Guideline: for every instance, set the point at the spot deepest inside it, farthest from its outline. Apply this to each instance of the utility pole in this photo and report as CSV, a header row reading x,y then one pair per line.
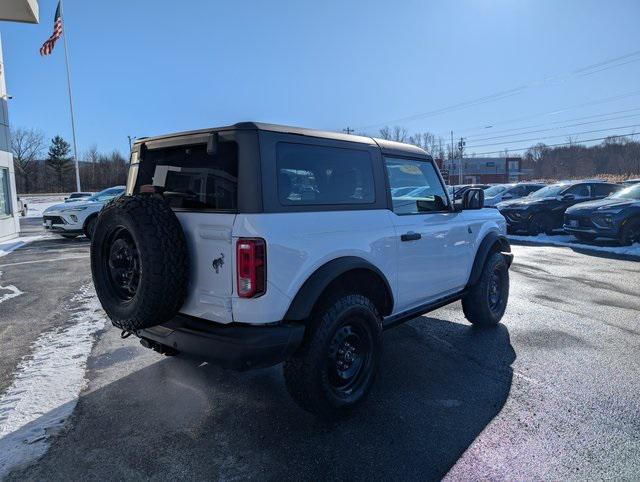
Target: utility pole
x,y
453,162
131,138
348,130
461,145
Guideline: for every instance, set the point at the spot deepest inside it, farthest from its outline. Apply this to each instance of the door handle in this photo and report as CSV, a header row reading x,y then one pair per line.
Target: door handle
x,y
410,236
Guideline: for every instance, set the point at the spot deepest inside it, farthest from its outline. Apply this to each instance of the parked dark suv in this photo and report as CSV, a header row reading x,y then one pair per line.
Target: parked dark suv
x,y
543,211
617,217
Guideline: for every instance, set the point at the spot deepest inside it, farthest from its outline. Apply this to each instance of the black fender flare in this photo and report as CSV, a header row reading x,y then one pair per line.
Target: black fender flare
x,y
492,242
311,290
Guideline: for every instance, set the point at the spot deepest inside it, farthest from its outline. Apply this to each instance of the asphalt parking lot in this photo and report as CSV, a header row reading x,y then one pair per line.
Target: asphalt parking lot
x,y
551,393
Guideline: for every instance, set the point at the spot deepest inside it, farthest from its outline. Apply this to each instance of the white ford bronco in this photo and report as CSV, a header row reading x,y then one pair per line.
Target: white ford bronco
x,y
255,244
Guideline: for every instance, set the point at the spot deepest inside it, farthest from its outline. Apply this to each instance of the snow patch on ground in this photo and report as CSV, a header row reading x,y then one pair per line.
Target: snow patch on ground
x,y
37,204
7,247
571,242
8,292
47,384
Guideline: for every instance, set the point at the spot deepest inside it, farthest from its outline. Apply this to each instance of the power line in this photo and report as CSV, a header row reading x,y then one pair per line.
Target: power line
x,y
557,145
560,111
600,64
556,128
534,139
561,121
580,72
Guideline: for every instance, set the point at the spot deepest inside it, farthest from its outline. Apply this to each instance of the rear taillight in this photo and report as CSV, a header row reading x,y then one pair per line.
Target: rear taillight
x,y
251,263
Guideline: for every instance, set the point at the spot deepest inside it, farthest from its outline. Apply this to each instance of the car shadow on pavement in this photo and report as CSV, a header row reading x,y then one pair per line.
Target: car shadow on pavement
x,y
440,385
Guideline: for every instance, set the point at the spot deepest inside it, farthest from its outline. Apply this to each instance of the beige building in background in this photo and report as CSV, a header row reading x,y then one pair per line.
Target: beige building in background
x,y
13,11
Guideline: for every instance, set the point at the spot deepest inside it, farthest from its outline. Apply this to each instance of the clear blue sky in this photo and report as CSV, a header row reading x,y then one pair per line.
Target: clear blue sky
x,y
149,67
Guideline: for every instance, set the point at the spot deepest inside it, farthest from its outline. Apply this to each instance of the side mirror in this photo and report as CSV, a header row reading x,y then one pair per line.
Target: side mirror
x,y
507,195
568,197
471,199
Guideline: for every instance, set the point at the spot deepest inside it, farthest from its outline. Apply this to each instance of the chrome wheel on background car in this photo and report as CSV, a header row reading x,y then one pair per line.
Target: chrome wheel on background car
x,y
630,232
540,224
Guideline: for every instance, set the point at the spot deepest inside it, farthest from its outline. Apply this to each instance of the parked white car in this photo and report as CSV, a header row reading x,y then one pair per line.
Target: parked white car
x,y
504,192
77,218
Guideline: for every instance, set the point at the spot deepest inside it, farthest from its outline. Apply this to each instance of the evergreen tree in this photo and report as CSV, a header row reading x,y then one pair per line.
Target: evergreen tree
x,y
58,161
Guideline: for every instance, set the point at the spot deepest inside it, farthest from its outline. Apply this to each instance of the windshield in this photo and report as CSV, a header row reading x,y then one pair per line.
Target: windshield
x,y
631,192
549,191
106,194
495,190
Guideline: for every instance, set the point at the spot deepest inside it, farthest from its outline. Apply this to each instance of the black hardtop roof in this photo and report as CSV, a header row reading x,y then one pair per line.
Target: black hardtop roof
x,y
388,147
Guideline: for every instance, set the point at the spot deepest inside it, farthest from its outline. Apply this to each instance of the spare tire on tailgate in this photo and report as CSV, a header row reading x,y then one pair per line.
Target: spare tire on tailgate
x,y
139,262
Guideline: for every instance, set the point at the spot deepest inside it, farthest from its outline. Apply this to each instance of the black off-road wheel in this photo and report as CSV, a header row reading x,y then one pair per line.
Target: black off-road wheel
x,y
630,232
139,262
540,224
333,370
486,302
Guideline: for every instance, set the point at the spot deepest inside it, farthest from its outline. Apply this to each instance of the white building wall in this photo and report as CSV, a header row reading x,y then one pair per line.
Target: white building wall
x,y
9,223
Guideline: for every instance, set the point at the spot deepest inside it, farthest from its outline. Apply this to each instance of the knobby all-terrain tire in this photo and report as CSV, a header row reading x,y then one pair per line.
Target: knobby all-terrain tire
x,y
155,246
308,373
90,227
630,232
477,304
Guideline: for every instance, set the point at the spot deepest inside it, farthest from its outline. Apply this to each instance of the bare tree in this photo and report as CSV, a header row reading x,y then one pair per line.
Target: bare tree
x,y
27,146
398,134
92,157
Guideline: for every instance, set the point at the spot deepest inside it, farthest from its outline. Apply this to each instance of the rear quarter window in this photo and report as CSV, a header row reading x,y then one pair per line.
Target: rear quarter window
x,y
189,177
318,175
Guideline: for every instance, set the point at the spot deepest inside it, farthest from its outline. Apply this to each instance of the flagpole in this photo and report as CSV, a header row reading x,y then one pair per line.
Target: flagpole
x,y
73,121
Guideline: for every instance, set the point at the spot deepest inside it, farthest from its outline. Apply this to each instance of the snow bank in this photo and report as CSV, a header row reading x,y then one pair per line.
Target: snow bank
x,y
47,384
7,247
571,242
37,204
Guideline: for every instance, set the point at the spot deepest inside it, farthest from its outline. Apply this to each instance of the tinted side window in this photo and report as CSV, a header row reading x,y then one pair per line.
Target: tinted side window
x,y
518,191
309,175
603,190
579,190
415,186
188,177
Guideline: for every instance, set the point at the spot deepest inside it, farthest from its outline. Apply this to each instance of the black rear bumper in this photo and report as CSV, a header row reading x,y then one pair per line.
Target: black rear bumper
x,y
236,345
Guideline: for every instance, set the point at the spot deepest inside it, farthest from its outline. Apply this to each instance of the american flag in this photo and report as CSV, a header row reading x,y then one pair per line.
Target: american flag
x,y
47,47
